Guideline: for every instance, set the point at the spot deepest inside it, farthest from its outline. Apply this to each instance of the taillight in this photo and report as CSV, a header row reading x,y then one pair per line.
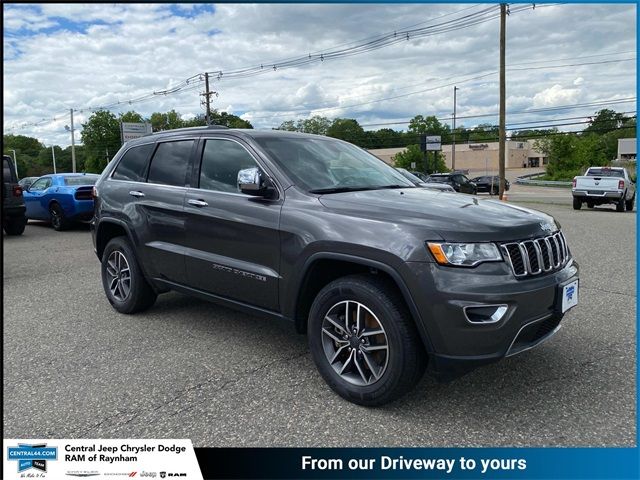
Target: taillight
x,y
17,191
574,183
621,185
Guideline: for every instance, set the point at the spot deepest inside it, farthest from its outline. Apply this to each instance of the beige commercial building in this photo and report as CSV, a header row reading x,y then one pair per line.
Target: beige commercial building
x,y
481,156
627,149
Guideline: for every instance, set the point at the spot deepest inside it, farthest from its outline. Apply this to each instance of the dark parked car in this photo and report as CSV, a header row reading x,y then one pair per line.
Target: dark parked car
x,y
61,199
419,183
13,219
458,181
422,176
26,182
490,183
385,278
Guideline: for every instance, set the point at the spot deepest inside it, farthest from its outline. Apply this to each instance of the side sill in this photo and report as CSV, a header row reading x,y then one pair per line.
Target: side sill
x,y
224,301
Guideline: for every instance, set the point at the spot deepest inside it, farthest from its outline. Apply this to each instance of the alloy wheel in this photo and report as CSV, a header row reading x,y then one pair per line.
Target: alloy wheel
x,y
355,343
118,275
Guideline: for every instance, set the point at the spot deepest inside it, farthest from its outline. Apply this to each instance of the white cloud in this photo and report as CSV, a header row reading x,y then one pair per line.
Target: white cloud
x,y
578,81
556,95
58,56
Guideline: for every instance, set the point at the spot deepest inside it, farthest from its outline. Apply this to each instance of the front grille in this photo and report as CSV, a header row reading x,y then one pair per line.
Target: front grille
x,y
540,255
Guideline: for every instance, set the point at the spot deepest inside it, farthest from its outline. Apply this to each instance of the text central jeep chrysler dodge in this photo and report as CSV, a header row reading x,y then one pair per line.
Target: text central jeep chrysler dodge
x,y
385,278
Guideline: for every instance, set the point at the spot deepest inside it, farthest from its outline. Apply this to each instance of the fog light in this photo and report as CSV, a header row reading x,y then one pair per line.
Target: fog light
x,y
485,313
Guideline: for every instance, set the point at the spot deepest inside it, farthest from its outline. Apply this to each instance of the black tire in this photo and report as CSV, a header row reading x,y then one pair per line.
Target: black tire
x,y
621,204
140,296
405,356
577,204
58,220
15,225
629,204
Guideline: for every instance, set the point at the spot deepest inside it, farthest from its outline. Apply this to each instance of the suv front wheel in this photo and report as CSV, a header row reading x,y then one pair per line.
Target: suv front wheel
x,y
124,284
363,340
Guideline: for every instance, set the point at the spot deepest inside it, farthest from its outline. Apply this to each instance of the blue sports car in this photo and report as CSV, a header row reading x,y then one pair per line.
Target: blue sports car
x,y
61,198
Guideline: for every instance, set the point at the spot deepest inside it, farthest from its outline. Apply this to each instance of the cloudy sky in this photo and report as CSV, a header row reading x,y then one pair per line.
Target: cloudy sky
x,y
82,56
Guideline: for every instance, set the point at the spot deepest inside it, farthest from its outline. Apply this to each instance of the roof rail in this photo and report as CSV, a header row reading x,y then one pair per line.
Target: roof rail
x,y
205,127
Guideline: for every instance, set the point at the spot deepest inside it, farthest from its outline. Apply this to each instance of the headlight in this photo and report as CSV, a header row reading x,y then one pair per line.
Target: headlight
x,y
464,254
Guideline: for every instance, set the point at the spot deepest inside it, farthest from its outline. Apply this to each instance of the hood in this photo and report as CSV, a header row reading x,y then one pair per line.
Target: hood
x,y
453,217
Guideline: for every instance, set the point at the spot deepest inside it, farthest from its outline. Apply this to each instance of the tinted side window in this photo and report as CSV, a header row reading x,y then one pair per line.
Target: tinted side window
x,y
41,184
6,171
170,162
133,165
221,161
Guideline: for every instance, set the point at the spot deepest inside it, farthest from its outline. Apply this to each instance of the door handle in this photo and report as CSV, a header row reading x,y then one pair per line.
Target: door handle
x,y
135,193
198,203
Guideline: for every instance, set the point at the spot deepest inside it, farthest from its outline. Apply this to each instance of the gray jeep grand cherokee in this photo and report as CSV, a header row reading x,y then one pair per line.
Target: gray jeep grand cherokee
x,y
386,279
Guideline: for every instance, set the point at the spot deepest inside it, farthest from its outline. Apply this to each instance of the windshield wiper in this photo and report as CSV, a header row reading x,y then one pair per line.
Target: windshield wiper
x,y
395,186
339,189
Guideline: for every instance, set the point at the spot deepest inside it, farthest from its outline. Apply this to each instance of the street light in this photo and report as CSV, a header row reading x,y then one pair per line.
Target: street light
x,y
15,162
73,142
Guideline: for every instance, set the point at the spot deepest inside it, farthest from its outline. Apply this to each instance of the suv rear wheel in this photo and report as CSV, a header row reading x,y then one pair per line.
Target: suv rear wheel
x,y
124,284
577,204
15,225
620,206
363,340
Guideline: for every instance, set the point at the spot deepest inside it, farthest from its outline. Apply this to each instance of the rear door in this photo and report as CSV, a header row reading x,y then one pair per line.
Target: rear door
x,y
233,242
149,185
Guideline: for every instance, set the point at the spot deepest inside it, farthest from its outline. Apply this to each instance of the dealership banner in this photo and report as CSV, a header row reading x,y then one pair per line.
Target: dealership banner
x,y
104,459
367,463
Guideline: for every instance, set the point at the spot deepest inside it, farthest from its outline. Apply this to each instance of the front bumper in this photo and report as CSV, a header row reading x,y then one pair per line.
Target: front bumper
x,y
456,345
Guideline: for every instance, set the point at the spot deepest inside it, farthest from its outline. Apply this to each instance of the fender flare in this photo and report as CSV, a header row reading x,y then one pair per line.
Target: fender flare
x,y
392,272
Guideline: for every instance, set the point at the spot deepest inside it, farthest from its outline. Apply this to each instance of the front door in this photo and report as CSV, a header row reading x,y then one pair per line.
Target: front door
x,y
233,242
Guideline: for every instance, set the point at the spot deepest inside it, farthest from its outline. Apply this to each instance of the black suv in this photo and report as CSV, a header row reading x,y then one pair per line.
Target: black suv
x,y
13,209
458,181
385,278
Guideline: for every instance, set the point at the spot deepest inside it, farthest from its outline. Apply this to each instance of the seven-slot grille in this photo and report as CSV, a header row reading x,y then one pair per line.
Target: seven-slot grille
x,y
540,255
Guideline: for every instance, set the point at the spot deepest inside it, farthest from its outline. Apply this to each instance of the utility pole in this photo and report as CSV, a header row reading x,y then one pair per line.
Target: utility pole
x,y
15,162
53,155
453,132
502,132
207,98
73,144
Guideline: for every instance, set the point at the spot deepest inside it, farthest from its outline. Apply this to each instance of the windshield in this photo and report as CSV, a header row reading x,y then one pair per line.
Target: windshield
x,y
409,176
434,178
605,172
324,165
83,180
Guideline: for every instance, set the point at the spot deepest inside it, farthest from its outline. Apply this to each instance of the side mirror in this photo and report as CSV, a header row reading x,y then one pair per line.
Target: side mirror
x,y
251,181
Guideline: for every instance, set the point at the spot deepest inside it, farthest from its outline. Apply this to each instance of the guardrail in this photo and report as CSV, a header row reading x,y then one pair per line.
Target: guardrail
x,y
530,180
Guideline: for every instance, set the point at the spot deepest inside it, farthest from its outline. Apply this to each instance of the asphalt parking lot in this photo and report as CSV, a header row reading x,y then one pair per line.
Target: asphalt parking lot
x,y
74,368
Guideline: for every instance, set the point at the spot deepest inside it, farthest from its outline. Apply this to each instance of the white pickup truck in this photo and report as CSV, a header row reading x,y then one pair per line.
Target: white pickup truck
x,y
600,185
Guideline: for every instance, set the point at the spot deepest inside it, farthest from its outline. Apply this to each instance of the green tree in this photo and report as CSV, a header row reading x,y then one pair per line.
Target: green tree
x,y
229,120
101,139
27,151
604,121
347,129
289,126
485,132
131,116
424,163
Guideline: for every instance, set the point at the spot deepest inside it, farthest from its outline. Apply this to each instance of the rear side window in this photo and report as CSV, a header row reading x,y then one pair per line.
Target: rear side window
x,y
7,177
221,162
83,180
133,165
170,162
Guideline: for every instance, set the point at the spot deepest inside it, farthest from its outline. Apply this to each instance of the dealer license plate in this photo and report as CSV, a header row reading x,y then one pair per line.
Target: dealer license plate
x,y
569,296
